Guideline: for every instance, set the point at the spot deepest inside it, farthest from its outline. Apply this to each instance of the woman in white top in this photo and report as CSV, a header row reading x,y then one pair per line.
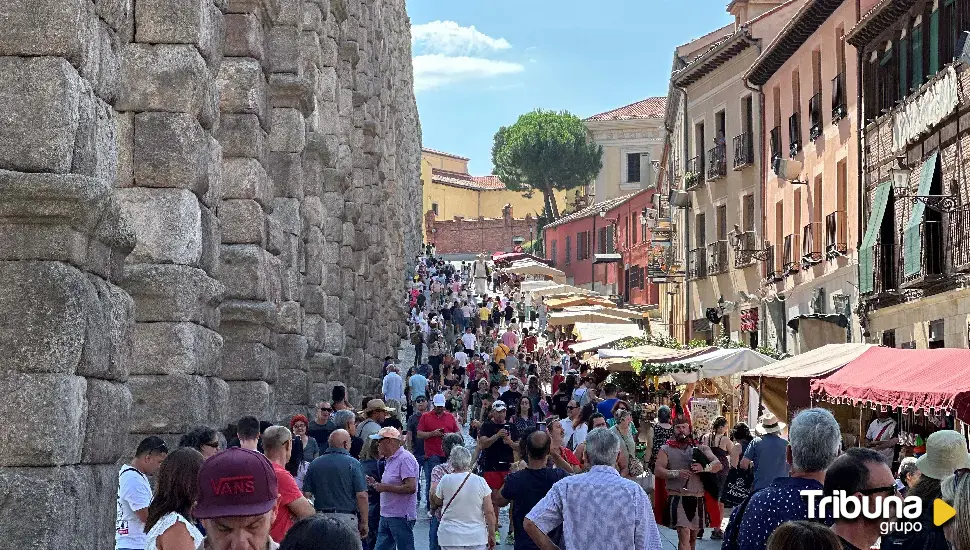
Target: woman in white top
x,y
169,526
467,518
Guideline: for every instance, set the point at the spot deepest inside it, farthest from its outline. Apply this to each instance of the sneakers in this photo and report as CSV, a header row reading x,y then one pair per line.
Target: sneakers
x,y
510,538
498,538
717,534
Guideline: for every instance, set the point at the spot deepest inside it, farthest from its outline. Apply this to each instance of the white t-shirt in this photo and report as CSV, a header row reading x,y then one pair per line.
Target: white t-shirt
x,y
463,523
468,340
874,431
134,493
462,358
573,437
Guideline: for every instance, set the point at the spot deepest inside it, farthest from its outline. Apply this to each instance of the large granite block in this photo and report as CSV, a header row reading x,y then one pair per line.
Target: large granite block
x,y
176,348
242,88
293,387
171,78
244,36
249,273
171,150
243,222
244,178
168,224
106,424
173,293
250,398
288,133
242,136
169,403
249,361
28,437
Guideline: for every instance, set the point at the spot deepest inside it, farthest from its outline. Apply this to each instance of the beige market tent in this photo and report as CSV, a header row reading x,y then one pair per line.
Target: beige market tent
x,y
615,312
562,318
529,286
619,360
535,268
785,386
586,332
559,290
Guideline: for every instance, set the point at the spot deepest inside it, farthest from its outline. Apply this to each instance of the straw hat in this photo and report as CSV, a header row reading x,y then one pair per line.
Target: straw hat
x,y
946,452
377,404
769,424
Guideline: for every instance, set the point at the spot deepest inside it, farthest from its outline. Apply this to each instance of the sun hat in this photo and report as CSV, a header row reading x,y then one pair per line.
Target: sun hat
x,y
498,405
769,424
377,404
946,452
236,482
438,401
389,432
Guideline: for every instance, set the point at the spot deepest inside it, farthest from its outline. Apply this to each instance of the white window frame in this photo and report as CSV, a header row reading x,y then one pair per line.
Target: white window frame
x,y
625,172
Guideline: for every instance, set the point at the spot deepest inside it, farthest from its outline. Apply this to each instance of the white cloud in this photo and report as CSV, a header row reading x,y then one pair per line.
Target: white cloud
x,y
450,38
432,71
448,53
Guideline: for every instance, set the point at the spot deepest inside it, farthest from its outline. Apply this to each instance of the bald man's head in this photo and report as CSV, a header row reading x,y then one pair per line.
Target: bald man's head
x,y
339,439
538,445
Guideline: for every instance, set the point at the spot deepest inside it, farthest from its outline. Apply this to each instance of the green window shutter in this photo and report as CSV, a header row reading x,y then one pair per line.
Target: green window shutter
x,y
935,42
903,75
912,237
880,197
917,43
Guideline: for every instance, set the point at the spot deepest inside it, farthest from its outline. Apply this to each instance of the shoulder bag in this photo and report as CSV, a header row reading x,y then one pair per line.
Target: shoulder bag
x,y
452,499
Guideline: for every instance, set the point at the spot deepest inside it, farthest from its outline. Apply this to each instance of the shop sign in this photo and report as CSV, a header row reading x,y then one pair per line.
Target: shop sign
x,y
928,109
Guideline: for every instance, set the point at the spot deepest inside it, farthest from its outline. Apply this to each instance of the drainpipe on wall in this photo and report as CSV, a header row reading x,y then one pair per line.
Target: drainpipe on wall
x,y
688,326
859,152
764,176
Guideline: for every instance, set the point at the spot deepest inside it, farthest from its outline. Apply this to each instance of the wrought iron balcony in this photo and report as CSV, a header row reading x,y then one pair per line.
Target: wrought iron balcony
x,y
836,228
697,263
839,110
694,174
717,158
811,244
717,257
885,269
772,262
931,257
815,117
743,150
790,261
747,242
794,134
958,241
775,142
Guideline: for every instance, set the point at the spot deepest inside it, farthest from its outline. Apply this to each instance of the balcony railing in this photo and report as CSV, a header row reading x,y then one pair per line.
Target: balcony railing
x,y
694,174
775,142
743,150
815,117
885,269
794,134
836,227
839,110
748,241
697,263
931,256
717,257
958,241
717,158
790,261
773,272
811,244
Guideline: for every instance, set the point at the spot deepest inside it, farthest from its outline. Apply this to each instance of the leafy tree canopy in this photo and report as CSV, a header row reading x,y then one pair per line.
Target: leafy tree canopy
x,y
544,151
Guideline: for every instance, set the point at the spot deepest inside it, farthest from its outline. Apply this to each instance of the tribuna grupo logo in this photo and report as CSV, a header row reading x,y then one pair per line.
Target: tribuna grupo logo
x,y
895,514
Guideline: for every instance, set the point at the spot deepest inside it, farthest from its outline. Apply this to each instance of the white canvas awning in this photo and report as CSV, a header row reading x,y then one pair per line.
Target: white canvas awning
x,y
722,362
596,331
529,286
561,318
620,359
559,289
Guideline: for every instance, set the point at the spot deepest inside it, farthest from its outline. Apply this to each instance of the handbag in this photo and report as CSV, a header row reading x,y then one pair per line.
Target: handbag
x,y
737,486
452,499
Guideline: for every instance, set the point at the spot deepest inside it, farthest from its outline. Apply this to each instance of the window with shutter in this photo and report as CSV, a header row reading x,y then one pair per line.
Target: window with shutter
x,y
633,167
903,72
917,57
934,43
748,209
567,250
642,278
610,239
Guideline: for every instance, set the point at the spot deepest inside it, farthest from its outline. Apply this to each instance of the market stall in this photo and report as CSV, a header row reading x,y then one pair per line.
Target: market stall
x,y
504,258
560,289
925,390
578,300
722,362
622,360
784,387
563,318
528,267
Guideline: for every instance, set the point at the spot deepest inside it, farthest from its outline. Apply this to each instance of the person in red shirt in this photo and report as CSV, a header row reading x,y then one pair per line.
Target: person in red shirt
x,y
432,427
292,505
557,378
529,341
559,453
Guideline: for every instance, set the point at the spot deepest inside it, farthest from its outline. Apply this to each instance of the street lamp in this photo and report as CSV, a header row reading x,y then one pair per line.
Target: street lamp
x,y
900,175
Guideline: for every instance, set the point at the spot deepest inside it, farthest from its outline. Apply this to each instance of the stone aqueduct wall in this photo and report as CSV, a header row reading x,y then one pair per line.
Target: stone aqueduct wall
x,y
206,210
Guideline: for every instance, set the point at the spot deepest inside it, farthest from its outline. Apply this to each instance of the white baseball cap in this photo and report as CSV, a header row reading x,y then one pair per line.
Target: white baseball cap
x,y
438,401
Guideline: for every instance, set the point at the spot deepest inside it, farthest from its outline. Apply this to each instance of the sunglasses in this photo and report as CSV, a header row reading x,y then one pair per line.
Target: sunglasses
x,y
326,409
888,489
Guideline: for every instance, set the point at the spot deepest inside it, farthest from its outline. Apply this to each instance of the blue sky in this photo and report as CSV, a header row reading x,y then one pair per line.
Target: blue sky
x,y
479,64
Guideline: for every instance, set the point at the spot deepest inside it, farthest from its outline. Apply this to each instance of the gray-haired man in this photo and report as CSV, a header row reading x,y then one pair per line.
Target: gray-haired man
x,y
814,442
347,420
569,501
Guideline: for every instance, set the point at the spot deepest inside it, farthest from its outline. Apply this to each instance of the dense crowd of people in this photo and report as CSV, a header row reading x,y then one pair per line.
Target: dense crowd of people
x,y
551,442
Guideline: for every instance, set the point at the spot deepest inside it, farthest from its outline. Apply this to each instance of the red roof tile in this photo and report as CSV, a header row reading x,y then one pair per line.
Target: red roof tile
x,y
652,107
458,179
442,153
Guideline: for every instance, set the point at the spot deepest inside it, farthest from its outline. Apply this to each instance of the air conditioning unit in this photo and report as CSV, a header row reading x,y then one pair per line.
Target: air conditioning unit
x,y
680,199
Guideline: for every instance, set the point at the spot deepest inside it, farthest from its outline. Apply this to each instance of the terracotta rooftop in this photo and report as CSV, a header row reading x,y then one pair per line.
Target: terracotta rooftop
x,y
458,179
594,209
793,35
652,107
441,153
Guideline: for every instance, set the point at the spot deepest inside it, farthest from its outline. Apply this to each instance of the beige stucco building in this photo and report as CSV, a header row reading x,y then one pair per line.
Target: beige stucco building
x,y
450,191
723,174
808,77
632,141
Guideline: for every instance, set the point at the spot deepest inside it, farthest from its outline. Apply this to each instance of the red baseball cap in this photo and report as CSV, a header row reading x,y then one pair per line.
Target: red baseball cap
x,y
236,482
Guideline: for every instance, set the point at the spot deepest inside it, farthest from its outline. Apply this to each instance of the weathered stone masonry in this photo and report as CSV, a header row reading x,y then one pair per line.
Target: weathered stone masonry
x,y
207,209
